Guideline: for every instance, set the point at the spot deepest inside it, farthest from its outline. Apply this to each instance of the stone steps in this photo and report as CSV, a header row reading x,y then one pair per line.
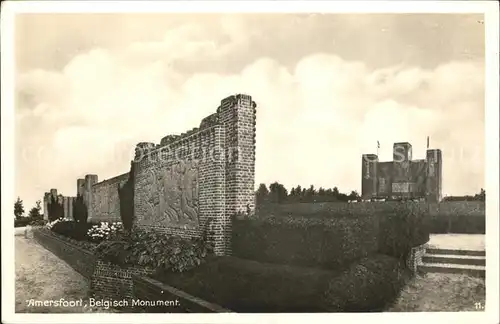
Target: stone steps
x,y
455,252
454,259
469,262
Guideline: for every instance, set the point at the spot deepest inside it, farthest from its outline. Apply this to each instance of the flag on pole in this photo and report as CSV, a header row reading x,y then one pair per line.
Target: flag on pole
x,y
427,142
378,144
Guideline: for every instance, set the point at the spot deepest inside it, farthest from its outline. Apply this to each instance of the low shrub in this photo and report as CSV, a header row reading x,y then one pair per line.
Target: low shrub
x,y
72,229
328,243
155,250
368,285
251,286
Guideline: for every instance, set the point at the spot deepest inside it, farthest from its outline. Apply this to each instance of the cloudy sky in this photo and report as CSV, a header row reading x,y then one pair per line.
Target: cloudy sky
x,y
89,86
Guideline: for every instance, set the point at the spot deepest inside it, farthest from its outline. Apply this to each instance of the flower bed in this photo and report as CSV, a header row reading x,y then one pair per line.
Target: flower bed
x,y
82,231
155,250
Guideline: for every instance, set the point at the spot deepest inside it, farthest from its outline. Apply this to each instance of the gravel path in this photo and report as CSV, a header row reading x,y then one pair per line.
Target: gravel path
x,y
43,277
441,292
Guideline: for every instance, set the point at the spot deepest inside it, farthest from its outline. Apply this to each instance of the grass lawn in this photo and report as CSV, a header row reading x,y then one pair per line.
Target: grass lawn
x,y
42,276
440,292
458,241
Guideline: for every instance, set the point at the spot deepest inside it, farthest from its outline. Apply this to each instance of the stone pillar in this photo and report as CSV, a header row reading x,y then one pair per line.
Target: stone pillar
x,y
46,199
90,181
80,187
65,207
70,207
434,181
369,170
237,115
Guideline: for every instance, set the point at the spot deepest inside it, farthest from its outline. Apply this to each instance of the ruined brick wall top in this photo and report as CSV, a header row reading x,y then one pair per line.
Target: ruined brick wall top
x,y
116,179
150,150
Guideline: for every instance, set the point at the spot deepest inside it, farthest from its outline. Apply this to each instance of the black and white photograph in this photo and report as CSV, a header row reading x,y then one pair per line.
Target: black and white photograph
x,y
273,157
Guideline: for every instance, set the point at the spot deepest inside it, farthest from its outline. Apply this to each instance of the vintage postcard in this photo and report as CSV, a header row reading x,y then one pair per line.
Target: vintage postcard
x,y
241,162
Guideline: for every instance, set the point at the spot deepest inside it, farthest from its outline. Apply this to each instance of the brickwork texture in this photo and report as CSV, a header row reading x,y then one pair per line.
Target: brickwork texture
x,y
187,184
415,257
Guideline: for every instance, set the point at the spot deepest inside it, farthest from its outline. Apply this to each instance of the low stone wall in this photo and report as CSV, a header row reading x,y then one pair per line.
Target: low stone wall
x,y
130,290
113,282
79,259
415,257
162,298
20,231
125,288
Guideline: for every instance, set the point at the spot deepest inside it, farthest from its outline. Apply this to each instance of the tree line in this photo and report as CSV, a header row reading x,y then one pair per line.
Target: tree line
x,y
277,193
19,212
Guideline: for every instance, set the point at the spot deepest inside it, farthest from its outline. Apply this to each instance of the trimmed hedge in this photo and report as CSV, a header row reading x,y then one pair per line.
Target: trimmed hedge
x,y
332,242
327,243
25,221
250,286
71,229
85,245
404,227
460,224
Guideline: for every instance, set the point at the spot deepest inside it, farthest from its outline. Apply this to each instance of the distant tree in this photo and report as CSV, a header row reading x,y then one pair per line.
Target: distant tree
x,y
295,194
36,212
18,208
79,210
277,192
354,195
310,194
262,194
335,192
56,210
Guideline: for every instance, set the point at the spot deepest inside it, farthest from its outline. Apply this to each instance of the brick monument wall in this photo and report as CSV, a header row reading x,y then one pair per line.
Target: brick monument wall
x,y
187,184
196,181
105,202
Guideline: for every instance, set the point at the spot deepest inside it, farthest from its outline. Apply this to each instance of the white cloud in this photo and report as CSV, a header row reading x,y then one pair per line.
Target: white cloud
x,y
313,123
